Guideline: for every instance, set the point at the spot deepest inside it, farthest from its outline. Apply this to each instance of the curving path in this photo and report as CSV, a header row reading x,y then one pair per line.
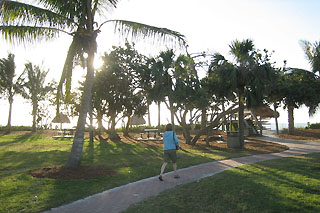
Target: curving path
x,y
120,198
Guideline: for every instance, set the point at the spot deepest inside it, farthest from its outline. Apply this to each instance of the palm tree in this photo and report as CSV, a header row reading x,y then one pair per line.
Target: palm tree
x,y
161,76
298,87
248,77
34,89
27,22
243,53
8,86
312,52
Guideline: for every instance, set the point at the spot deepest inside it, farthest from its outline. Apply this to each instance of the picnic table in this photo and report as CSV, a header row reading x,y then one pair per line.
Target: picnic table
x,y
149,133
65,133
154,131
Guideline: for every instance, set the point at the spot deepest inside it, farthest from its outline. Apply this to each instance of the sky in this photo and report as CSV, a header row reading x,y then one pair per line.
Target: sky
x,y
208,25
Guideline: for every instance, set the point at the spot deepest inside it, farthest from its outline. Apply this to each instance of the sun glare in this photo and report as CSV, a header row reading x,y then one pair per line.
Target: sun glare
x,y
97,63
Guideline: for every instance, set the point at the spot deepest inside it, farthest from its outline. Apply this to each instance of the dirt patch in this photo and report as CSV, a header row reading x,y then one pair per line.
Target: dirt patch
x,y
301,134
60,172
253,145
263,147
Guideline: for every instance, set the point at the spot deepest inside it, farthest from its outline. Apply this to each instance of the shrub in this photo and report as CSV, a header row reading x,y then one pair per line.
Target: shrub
x,y
315,126
16,128
139,129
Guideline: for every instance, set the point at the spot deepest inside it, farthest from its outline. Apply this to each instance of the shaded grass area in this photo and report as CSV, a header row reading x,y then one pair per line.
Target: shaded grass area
x,y
130,160
282,185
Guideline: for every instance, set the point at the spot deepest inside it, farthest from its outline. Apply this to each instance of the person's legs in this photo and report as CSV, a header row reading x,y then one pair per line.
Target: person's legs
x,y
175,170
163,167
169,156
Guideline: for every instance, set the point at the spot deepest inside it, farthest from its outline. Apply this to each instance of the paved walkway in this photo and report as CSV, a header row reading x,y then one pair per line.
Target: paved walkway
x,y
120,198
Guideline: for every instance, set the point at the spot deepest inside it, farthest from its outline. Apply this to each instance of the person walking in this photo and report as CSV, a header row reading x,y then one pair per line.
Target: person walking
x,y
171,145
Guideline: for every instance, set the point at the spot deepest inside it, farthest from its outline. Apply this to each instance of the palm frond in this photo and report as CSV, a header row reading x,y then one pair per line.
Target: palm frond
x,y
312,53
17,13
138,30
73,10
76,10
7,70
241,49
312,110
216,61
28,33
74,53
100,6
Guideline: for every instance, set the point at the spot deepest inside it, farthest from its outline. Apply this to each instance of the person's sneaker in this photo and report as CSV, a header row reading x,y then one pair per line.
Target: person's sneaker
x,y
176,176
160,178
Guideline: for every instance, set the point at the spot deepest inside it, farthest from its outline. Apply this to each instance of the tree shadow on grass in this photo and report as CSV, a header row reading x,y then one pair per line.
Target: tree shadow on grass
x,y
19,161
19,139
261,187
286,175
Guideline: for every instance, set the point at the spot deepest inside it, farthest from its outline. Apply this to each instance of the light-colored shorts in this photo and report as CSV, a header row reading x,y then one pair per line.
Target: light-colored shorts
x,y
170,155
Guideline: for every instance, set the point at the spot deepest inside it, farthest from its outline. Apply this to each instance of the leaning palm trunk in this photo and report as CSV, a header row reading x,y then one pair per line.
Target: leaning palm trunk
x,y
26,23
290,120
75,156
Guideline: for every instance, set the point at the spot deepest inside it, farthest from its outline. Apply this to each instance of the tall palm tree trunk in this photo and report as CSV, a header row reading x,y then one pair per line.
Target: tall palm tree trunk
x,y
241,120
149,116
290,120
172,115
75,156
203,118
91,122
126,129
159,114
8,129
185,128
113,133
34,115
276,118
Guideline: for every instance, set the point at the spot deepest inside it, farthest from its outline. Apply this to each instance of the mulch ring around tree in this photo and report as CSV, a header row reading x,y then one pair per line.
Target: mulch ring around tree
x,y
83,172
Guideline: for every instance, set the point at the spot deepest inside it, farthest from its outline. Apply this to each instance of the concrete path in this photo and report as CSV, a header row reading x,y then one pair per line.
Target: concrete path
x,y
120,198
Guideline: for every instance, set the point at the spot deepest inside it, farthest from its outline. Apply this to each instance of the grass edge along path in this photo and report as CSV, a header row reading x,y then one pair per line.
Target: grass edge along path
x,y
282,185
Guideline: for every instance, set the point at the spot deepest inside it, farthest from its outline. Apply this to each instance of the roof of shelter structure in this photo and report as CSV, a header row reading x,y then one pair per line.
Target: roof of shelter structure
x,y
61,118
137,120
265,112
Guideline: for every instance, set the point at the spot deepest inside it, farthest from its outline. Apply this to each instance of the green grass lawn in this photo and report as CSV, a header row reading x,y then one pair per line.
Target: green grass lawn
x,y
282,185
21,153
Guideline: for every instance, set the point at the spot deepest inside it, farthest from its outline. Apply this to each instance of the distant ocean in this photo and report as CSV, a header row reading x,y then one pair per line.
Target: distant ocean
x,y
285,125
